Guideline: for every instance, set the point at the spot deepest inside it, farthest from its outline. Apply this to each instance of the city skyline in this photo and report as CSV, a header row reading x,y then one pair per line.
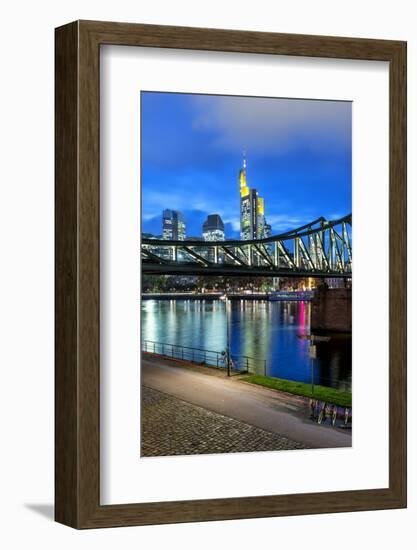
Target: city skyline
x,y
253,222
304,150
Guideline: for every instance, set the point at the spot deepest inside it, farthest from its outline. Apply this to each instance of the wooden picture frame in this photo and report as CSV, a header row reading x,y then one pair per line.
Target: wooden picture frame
x,y
77,405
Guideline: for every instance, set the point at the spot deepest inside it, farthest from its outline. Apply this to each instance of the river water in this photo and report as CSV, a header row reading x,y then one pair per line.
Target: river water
x,y
268,332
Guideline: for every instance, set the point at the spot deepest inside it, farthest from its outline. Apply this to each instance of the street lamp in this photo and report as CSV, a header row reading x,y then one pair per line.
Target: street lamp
x,y
312,352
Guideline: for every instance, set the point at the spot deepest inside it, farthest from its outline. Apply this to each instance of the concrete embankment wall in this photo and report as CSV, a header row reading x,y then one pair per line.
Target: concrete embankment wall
x,y
331,310
208,296
180,296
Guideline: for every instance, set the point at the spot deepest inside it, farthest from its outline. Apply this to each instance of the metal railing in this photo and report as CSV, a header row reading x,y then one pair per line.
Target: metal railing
x,y
239,363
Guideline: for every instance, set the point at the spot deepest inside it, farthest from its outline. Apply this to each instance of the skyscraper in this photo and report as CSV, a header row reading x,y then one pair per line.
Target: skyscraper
x,y
267,230
213,228
267,233
252,210
173,225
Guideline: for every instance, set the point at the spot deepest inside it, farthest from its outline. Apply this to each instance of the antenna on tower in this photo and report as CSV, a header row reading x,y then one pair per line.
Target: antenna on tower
x,y
244,159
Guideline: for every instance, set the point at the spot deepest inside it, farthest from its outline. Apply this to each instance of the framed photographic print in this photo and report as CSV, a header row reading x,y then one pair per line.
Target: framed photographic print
x,y
230,274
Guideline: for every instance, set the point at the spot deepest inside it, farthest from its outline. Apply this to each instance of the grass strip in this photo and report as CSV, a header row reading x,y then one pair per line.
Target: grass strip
x,y
323,393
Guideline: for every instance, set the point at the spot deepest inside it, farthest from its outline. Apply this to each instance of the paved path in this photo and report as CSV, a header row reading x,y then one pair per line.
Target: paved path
x,y
171,426
260,407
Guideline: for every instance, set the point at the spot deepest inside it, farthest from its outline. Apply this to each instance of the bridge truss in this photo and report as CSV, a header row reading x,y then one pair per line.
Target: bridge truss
x,y
320,248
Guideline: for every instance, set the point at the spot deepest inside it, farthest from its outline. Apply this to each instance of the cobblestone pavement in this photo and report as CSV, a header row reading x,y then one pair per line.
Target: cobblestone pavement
x,y
171,426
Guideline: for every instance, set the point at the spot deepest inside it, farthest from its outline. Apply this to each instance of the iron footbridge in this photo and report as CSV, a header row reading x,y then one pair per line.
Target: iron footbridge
x,y
320,248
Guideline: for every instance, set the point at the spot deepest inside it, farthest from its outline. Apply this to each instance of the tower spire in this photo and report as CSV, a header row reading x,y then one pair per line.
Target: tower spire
x,y
244,189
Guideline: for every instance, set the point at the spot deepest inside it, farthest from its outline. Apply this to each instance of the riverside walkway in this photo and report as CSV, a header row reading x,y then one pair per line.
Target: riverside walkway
x,y
175,427
187,409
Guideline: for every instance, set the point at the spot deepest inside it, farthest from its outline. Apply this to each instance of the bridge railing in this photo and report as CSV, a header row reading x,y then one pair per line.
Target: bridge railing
x,y
239,363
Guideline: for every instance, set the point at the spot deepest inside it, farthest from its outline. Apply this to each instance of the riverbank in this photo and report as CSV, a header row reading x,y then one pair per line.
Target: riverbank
x,y
322,393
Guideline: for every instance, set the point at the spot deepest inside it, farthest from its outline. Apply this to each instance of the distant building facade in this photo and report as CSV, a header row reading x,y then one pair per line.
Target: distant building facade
x,y
194,238
173,225
213,228
161,251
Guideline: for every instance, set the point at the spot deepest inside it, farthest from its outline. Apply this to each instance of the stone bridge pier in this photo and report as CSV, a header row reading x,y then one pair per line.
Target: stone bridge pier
x,y
331,310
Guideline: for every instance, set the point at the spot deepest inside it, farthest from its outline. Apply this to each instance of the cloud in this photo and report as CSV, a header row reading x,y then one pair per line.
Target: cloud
x,y
233,221
156,201
284,222
185,197
268,124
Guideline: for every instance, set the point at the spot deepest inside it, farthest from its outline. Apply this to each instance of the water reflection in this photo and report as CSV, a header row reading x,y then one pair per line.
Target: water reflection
x,y
259,329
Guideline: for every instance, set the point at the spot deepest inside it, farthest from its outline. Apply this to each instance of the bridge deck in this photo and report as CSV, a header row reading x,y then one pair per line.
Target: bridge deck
x,y
230,270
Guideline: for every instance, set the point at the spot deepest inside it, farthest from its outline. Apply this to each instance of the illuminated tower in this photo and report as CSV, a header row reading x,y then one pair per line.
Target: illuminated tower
x,y
173,225
247,198
252,210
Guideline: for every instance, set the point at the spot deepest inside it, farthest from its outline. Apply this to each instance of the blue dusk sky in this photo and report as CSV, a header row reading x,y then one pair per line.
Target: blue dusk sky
x,y
298,158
